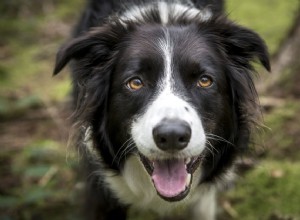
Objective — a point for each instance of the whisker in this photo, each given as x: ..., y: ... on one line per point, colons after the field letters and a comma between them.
x: 213, y: 148
x: 120, y: 149
x: 127, y: 149
x: 218, y: 138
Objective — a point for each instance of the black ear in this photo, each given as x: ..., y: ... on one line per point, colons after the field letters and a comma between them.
x: 72, y: 50
x: 243, y: 46
x: 100, y: 40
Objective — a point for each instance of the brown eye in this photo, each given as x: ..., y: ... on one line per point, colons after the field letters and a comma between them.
x: 205, y: 81
x: 135, y: 84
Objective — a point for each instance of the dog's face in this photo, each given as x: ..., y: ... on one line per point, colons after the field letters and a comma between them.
x: 179, y: 96
x: 170, y: 97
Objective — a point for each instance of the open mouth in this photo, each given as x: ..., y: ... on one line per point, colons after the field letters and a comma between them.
x: 172, y: 178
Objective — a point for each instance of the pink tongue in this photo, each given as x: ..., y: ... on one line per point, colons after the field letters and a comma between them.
x: 169, y: 177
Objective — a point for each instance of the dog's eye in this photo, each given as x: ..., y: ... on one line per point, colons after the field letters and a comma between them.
x: 205, y: 82
x: 135, y: 84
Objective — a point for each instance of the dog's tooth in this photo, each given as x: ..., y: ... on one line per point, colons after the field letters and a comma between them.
x: 187, y: 161
x: 188, y: 179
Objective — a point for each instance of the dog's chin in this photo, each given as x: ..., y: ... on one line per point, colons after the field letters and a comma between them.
x: 172, y: 178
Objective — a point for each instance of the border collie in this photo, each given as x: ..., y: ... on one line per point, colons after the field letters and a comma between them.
x: 164, y: 103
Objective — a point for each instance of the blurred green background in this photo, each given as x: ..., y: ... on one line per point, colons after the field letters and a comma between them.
x: 37, y: 170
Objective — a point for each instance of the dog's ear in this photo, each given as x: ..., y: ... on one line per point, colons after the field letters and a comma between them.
x: 72, y: 50
x: 242, y: 46
x: 100, y: 40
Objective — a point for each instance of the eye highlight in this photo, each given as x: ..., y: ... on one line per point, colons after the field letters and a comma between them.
x: 135, y: 84
x: 205, y: 81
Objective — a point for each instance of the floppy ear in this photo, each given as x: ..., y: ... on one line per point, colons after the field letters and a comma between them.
x: 243, y: 46
x: 100, y: 41
x: 72, y: 50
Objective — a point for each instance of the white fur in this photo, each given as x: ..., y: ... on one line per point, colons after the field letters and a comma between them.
x: 167, y: 12
x: 191, y: 13
x: 135, y: 187
x: 166, y: 49
x: 164, y: 12
x: 205, y: 206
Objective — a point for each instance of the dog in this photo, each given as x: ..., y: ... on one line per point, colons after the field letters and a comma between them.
x: 164, y: 104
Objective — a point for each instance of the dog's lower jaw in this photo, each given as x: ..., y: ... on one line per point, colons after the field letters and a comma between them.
x: 134, y: 187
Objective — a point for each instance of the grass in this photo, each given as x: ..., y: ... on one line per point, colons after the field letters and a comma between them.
x: 283, y: 137
x: 29, y: 47
x: 46, y: 184
x: 271, y: 188
x: 36, y: 180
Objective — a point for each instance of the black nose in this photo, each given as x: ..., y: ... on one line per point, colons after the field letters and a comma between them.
x: 172, y: 135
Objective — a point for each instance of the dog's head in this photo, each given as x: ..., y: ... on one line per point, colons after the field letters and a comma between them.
x: 176, y: 91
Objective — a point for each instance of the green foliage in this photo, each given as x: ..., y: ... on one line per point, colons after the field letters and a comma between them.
x: 271, y: 188
x: 29, y: 44
x: 47, y: 183
x: 10, y: 108
x: 283, y: 138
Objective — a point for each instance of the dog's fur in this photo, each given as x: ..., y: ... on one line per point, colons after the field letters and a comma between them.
x: 140, y: 70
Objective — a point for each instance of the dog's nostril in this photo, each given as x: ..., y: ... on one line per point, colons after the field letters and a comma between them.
x: 170, y: 135
x: 163, y: 140
x: 182, y: 139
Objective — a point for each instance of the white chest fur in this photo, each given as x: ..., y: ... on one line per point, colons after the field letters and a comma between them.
x: 134, y: 187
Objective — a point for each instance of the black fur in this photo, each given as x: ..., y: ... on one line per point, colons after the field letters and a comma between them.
x: 102, y: 50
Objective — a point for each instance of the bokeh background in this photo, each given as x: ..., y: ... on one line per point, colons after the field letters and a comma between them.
x: 38, y: 178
